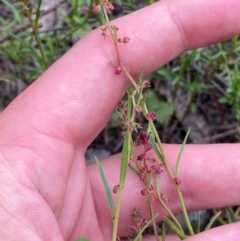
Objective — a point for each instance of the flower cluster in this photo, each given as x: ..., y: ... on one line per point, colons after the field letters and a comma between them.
x: 143, y: 139
x: 149, y: 191
x: 105, y: 4
x: 138, y: 219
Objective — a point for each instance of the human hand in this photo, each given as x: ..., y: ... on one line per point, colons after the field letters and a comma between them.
x: 47, y: 191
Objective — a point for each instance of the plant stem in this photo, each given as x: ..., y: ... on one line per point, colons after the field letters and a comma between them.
x: 153, y: 222
x: 185, y: 214
x: 117, y: 212
x: 35, y: 34
x: 117, y: 51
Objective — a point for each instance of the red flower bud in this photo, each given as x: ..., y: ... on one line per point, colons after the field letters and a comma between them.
x: 177, y: 181
x: 118, y: 70
x: 97, y: 9
x: 126, y: 40
x: 151, y: 115
x: 115, y: 189
x: 146, y: 84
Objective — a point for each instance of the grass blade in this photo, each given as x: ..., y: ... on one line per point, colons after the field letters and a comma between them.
x: 198, y: 229
x: 106, y: 187
x: 125, y: 156
x: 212, y: 220
x: 174, y: 228
x: 163, y: 232
x: 181, y: 150
x: 154, y: 146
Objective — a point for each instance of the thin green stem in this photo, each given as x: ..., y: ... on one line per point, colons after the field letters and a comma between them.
x: 185, y: 214
x: 154, y: 221
x: 117, y: 213
x: 117, y: 51
x: 126, y: 153
x: 35, y: 34
x: 159, y: 143
x: 165, y: 206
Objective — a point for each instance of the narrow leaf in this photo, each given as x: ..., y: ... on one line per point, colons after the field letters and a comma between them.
x: 38, y: 12
x: 198, y: 222
x: 125, y: 156
x: 181, y: 150
x: 163, y: 232
x: 14, y: 10
x: 157, y: 186
x: 106, y: 187
x: 126, y: 151
x: 174, y: 228
x: 154, y: 146
x: 212, y: 220
x: 140, y: 80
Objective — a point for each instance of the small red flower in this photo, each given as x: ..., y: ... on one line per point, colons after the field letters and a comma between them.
x: 120, y: 105
x: 84, y: 9
x: 143, y: 177
x: 165, y: 198
x: 144, y: 192
x: 104, y: 32
x: 160, y: 168
x: 115, y: 189
x: 124, y: 40
x: 153, y: 197
x: 177, y: 181
x: 140, y: 157
x: 143, y: 138
x: 151, y: 116
x: 96, y: 9
x: 147, y: 84
x: 118, y: 70
x: 120, y: 119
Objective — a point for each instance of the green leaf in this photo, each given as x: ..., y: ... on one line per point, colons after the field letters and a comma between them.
x: 163, y: 232
x: 82, y: 239
x: 38, y: 12
x: 13, y: 10
x: 198, y: 222
x: 106, y: 187
x: 154, y: 146
x: 125, y: 156
x: 126, y: 151
x: 212, y: 220
x: 174, y: 228
x: 180, y: 153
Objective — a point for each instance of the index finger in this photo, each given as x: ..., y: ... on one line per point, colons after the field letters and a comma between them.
x: 80, y: 91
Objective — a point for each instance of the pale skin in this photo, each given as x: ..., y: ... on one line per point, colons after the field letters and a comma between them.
x: 46, y: 190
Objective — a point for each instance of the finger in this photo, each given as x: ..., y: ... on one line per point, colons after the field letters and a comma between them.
x: 209, y: 174
x: 167, y: 238
x: 227, y: 232
x: 75, y: 97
